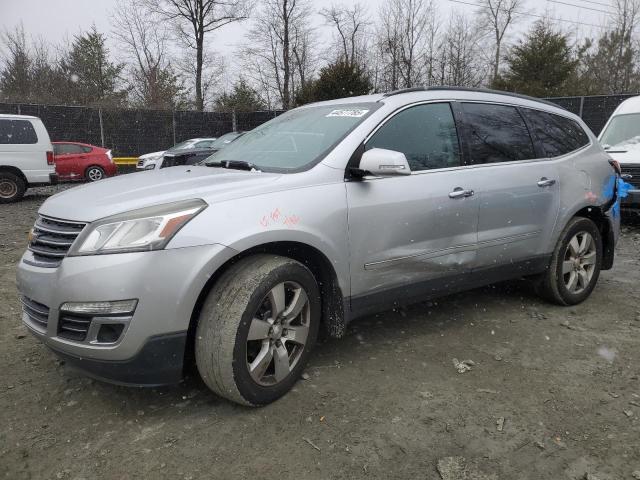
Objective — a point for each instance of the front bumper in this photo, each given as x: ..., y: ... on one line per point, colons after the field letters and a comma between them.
x: 166, y: 283
x: 159, y: 362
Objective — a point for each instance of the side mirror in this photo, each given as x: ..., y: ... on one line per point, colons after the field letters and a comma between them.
x: 382, y: 162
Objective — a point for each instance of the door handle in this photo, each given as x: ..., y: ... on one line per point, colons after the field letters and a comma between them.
x: 545, y: 182
x: 459, y: 192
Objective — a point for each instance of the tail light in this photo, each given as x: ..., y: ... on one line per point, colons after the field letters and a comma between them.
x: 50, y: 159
x: 616, y: 166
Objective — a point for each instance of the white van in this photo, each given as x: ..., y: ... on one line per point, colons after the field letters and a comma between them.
x: 620, y: 137
x: 26, y: 156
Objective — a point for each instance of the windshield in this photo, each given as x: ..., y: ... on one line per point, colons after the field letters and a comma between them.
x: 185, y: 144
x: 295, y: 139
x: 225, y: 140
x: 623, y: 131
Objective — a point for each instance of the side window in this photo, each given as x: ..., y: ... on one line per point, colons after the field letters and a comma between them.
x: 19, y: 132
x: 69, y: 148
x: 57, y: 149
x: 496, y: 133
x: 87, y: 149
x: 426, y: 134
x: 558, y: 135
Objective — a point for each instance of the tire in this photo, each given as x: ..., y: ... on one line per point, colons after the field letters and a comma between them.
x: 12, y: 187
x: 241, y: 302
x: 94, y: 173
x: 573, y: 262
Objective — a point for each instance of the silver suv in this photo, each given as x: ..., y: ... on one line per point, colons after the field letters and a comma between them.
x: 323, y: 214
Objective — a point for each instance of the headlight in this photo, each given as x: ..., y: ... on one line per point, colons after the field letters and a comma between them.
x: 145, y: 229
x: 150, y: 166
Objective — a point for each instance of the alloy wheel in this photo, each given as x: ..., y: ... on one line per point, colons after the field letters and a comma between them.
x: 579, y: 262
x: 95, y: 174
x: 278, y: 333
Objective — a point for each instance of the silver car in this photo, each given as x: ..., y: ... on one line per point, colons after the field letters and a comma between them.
x: 326, y: 213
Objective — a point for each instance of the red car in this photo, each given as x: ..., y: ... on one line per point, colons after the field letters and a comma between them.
x: 79, y: 161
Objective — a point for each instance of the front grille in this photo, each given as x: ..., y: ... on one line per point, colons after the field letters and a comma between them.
x: 51, y: 239
x: 36, y: 312
x: 73, y: 327
x: 634, y: 171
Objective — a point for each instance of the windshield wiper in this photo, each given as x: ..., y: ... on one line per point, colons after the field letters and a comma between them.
x: 234, y: 165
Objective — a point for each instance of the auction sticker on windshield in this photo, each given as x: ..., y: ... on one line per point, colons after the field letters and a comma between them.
x: 351, y: 112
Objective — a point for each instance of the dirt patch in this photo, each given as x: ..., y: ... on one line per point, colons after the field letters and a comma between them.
x: 550, y: 392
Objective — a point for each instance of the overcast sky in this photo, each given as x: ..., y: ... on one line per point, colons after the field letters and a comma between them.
x: 55, y: 20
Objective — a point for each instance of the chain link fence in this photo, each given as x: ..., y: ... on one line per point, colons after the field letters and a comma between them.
x: 133, y: 132
x: 594, y: 110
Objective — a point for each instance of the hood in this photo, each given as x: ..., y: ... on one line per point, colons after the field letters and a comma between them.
x: 151, y: 155
x: 627, y: 152
x: 120, y: 194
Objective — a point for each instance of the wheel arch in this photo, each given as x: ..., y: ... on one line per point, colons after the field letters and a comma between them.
x: 598, y: 216
x: 333, y: 321
x: 15, y: 171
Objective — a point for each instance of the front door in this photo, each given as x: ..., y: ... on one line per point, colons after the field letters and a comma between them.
x: 413, y: 235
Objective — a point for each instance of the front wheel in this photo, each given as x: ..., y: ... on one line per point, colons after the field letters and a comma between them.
x: 257, y: 328
x: 575, y: 264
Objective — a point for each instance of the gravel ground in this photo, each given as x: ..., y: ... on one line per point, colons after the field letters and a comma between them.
x: 551, y: 393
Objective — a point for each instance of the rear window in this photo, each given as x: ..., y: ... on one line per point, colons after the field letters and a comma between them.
x: 558, y: 135
x: 14, y: 132
x: 496, y: 133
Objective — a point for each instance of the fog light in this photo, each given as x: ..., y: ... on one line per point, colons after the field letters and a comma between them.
x: 110, y: 332
x: 119, y: 307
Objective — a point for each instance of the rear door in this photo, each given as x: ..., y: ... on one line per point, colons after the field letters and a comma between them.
x: 518, y: 188
x: 414, y: 235
x: 65, y: 160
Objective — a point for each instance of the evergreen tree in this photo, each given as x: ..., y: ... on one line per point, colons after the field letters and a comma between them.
x: 611, y: 67
x: 243, y: 98
x: 15, y: 79
x: 337, y: 80
x: 92, y: 77
x: 541, y: 65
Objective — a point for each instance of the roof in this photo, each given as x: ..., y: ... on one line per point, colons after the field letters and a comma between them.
x: 16, y: 116
x: 631, y: 105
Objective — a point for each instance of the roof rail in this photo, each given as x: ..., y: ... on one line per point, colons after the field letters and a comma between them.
x: 405, y: 90
x: 470, y: 89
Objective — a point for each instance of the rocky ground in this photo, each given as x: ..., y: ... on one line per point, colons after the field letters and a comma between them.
x: 546, y: 392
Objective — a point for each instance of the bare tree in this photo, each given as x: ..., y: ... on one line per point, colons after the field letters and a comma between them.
x: 498, y: 16
x: 403, y: 35
x: 627, y: 16
x: 349, y: 36
x: 279, y: 55
x: 152, y: 78
x: 193, y: 19
x: 460, y: 60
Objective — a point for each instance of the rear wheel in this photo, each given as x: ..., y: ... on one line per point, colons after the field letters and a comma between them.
x: 257, y: 328
x: 94, y: 173
x: 12, y: 187
x: 575, y: 264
